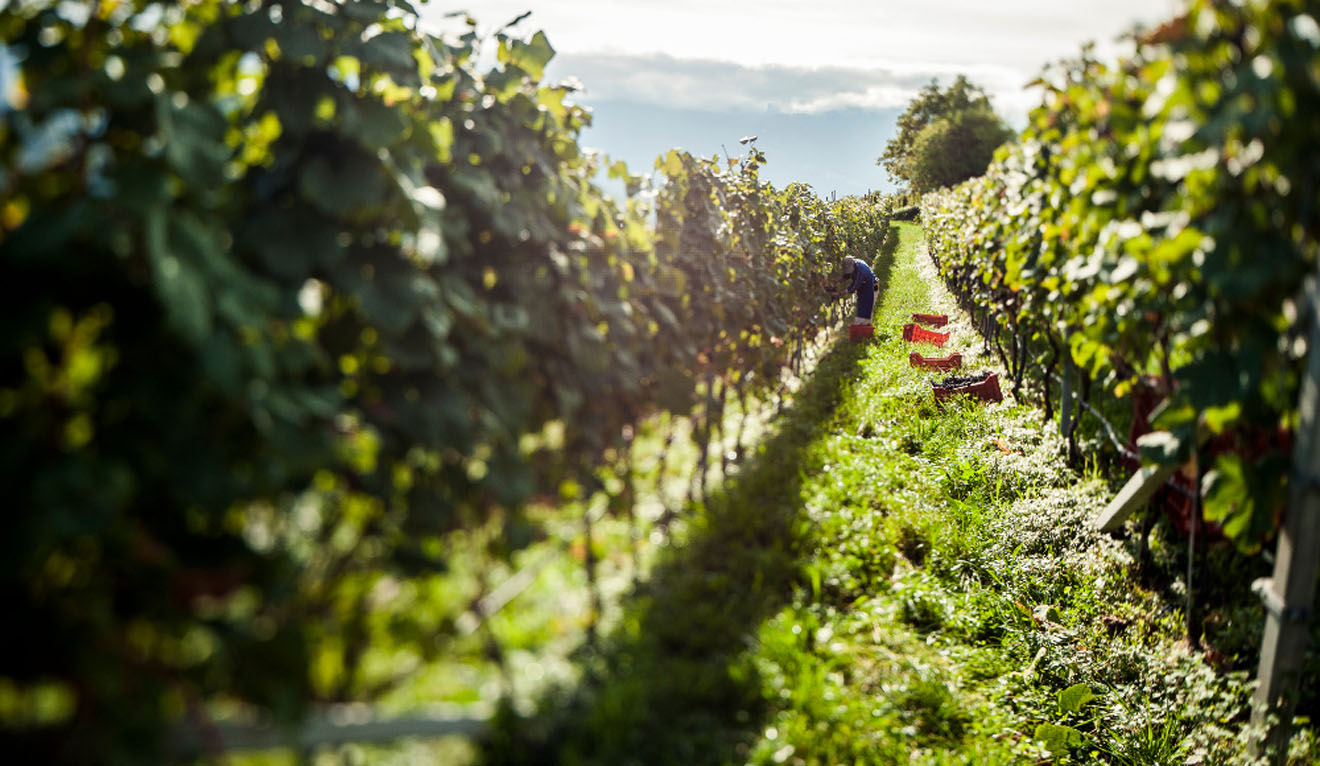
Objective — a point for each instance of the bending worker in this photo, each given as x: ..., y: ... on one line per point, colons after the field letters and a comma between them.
x: 860, y: 280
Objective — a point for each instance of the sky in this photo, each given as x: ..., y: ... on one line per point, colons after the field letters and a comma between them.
x: 821, y: 84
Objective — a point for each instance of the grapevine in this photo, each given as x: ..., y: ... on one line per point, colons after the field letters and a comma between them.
x: 298, y: 298
x: 1154, y: 226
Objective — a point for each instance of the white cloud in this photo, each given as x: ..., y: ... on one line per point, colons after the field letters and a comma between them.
x: 727, y: 86
x: 813, y: 57
x: 821, y: 82
x: 711, y: 85
x: 868, y: 34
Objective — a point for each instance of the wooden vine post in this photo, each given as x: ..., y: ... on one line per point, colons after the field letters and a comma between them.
x: 1289, y: 595
x: 1066, y: 399
x: 1066, y: 393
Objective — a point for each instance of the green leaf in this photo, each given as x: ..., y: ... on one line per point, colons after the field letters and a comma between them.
x: 222, y: 362
x: 382, y: 309
x: 365, y: 10
x: 1172, y: 414
x: 1074, y: 697
x: 391, y: 52
x: 1220, y: 418
x: 250, y: 30
x: 1242, y: 496
x: 376, y: 125
x: 442, y: 133
x: 179, y: 286
x: 1058, y: 739
x: 194, y: 142
x: 290, y: 243
x: 352, y: 182
x: 479, y: 185
x: 531, y: 56
x: 294, y: 95
x: 1213, y: 380
x: 300, y: 42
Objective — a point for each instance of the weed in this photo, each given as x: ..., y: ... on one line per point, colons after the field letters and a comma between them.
x: 912, y: 543
x: 1144, y: 737
x: 936, y: 717
x: 922, y: 602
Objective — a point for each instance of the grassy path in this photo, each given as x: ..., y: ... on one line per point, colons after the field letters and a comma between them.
x: 895, y: 647
x: 957, y: 590
x: 885, y: 583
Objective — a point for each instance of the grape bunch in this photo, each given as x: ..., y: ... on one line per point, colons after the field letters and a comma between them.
x: 958, y: 381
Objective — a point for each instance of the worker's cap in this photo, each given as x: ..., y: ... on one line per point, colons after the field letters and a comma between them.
x: 849, y: 265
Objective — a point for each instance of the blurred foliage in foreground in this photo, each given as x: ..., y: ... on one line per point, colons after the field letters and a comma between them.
x: 294, y: 291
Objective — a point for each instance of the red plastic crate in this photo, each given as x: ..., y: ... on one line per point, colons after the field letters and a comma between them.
x: 950, y: 362
x: 858, y: 332
x: 934, y: 320
x: 917, y: 334
x: 986, y: 389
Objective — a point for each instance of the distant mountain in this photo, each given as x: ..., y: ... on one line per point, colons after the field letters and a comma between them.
x: 834, y: 151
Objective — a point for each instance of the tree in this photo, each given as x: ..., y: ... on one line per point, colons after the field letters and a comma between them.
x: 930, y: 105
x: 954, y: 148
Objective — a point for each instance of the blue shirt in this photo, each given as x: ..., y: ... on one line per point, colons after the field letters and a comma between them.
x: 862, y: 277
